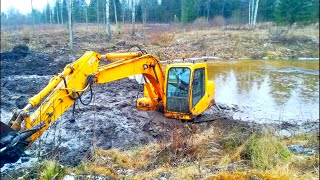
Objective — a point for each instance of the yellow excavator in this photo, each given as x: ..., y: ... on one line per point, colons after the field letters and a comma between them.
x: 184, y: 93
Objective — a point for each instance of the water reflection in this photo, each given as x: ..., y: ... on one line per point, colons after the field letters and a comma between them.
x: 269, y: 90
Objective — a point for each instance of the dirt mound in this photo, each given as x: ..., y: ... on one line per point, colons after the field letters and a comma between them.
x: 18, y: 52
x: 22, y: 61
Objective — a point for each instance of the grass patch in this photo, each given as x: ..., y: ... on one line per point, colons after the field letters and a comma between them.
x: 51, y: 170
x: 264, y: 151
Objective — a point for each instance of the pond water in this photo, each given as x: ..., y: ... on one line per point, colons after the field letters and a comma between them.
x: 268, y: 91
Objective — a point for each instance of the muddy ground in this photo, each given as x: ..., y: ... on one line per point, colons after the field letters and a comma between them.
x: 110, y: 121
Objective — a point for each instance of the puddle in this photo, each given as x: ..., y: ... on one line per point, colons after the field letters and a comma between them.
x: 268, y: 91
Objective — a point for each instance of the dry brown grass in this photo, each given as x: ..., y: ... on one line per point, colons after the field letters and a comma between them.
x: 171, y: 42
x: 161, y: 39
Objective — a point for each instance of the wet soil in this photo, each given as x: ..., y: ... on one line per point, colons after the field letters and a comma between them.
x: 22, y: 61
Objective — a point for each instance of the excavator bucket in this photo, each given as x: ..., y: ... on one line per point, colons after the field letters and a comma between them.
x: 7, y: 153
x: 13, y: 144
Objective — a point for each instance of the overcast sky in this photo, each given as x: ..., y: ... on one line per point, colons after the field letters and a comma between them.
x: 24, y: 6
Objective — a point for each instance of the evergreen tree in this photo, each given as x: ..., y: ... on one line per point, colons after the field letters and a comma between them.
x: 47, y: 13
x: 92, y: 11
x: 315, y: 11
x: 188, y: 11
x: 56, y: 12
x: 294, y: 11
x: 80, y: 11
x: 154, y: 13
x: 64, y: 11
x: 227, y: 9
x: 267, y: 10
x: 168, y: 10
x: 216, y: 8
x: 112, y: 9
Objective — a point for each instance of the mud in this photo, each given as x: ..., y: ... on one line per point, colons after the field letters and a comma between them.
x: 22, y: 61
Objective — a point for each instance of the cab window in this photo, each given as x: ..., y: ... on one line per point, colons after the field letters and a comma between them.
x: 178, y: 82
x: 198, y: 85
x: 178, y: 89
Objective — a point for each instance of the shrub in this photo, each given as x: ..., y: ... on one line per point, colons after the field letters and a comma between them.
x: 200, y: 22
x: 164, y: 38
x: 264, y: 151
x: 218, y: 21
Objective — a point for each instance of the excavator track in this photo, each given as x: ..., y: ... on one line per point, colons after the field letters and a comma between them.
x: 215, y: 114
x: 204, y: 118
x: 209, y: 118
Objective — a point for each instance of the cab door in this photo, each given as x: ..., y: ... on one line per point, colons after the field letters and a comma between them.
x: 201, y: 91
x: 198, y: 86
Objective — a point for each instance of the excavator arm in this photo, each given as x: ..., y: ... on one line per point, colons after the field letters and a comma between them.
x: 64, y: 89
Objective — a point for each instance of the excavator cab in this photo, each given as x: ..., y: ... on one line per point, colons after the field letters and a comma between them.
x: 188, y: 92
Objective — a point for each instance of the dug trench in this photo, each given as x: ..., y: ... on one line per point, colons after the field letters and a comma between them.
x: 110, y: 121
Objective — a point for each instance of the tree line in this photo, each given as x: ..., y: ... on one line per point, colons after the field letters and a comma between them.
x: 282, y: 12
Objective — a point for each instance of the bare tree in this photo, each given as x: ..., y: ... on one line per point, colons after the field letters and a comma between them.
x: 97, y: 11
x: 108, y: 20
x: 32, y: 12
x: 250, y: 4
x: 123, y: 10
x: 50, y: 15
x: 255, y: 12
x: 252, y: 10
x: 45, y: 16
x: 86, y: 13
x: 69, y: 2
x: 115, y: 12
x: 182, y: 11
x: 133, y: 31
x: 223, y: 6
x: 61, y: 11
x: 144, y: 11
x: 58, y: 14
x: 208, y: 9
x: 104, y: 13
